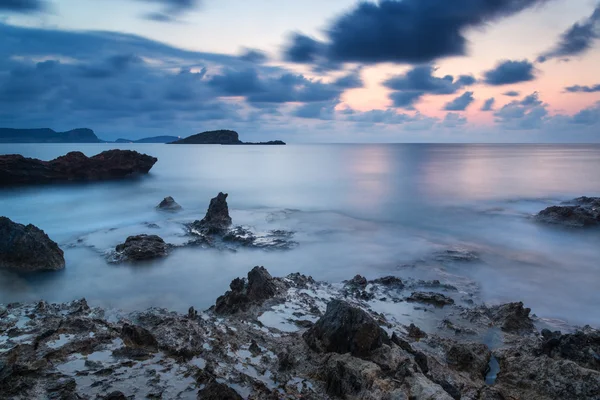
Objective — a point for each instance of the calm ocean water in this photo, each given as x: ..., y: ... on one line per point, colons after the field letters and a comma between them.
x: 369, y: 209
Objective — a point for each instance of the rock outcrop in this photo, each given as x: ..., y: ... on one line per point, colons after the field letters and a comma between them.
x: 437, y: 299
x: 512, y: 317
x: 222, y: 136
x: 140, y: 248
x: 27, y: 248
x: 74, y: 166
x: 168, y: 204
x: 579, y: 213
x: 217, y: 219
x: 345, y: 329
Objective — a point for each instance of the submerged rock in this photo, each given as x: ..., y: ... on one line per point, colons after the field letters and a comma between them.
x: 345, y: 328
x: 259, y: 287
x: 581, y: 212
x: 74, y: 166
x: 28, y: 248
x: 437, y: 299
x: 140, y: 248
x: 217, y: 219
x: 169, y: 204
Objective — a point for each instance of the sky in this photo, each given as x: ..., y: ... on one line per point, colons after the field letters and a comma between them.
x: 305, y: 71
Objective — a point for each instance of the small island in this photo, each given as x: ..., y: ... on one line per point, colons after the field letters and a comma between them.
x: 222, y: 136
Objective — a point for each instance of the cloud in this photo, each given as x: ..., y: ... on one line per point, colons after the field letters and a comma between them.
x: 509, y: 72
x: 170, y: 9
x: 22, y: 6
x: 588, y: 116
x: 512, y: 93
x: 578, y: 39
x: 454, y: 120
x: 351, y: 80
x: 386, y: 31
x: 460, y: 103
x: 488, y: 105
x: 408, y: 88
x: 254, y: 56
x: 583, y: 89
x: 319, y: 110
x: 529, y: 113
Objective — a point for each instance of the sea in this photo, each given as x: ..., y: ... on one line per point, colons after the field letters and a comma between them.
x: 368, y: 209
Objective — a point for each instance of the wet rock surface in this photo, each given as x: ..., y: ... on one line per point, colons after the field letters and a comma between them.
x: 436, y: 299
x: 579, y: 213
x: 72, y: 351
x: 141, y: 248
x: 169, y: 204
x: 26, y: 248
x: 217, y: 219
x: 74, y: 166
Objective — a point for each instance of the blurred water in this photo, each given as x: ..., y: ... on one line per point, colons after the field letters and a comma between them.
x: 369, y: 209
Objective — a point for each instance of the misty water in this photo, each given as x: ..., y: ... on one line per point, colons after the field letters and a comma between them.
x: 370, y: 209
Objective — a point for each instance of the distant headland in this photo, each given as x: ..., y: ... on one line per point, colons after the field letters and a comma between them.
x: 86, y: 135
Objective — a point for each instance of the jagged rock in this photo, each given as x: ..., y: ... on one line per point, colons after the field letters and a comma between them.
x: 512, y: 317
x: 437, y: 299
x: 259, y: 287
x: 580, y: 347
x: 345, y: 328
x: 415, y: 332
x: 470, y: 357
x: 116, y: 395
x: 358, y: 281
x: 136, y: 336
x: 218, y: 391
x: 217, y: 219
x: 346, y: 376
x: 74, y: 166
x: 169, y: 204
x: 141, y: 247
x: 390, y: 281
x: 580, y: 212
x: 27, y: 248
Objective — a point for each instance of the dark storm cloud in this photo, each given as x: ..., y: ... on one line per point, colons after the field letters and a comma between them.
x: 512, y: 93
x: 488, y: 105
x: 583, y: 89
x: 529, y: 113
x: 508, y: 72
x: 407, y: 31
x: 22, y: 6
x: 578, y: 39
x: 419, y: 81
x: 460, y: 103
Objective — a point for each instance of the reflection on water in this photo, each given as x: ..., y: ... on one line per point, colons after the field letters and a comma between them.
x: 369, y: 209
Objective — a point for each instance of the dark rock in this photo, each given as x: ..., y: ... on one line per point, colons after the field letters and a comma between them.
x: 217, y: 219
x: 456, y: 255
x: 437, y: 299
x: 580, y: 347
x: 218, y: 391
x: 347, y: 376
x: 582, y: 212
x: 470, y: 357
x: 254, y: 348
x: 259, y: 287
x: 222, y: 136
x: 421, y: 360
x: 403, y: 344
x: 358, y: 281
x: 390, y: 281
x: 27, y: 248
x: 240, y: 235
x: 344, y: 329
x: 450, y: 389
x: 116, y: 395
x: 169, y: 204
x: 141, y: 247
x: 136, y: 336
x: 415, y: 332
x: 512, y: 317
x: 74, y: 166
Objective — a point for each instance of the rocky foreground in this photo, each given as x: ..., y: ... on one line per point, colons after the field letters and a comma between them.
x: 74, y: 166
x: 294, y: 338
x: 582, y: 212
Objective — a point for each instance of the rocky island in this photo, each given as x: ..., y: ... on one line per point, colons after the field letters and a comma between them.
x: 46, y: 135
x: 225, y: 137
x: 74, y: 166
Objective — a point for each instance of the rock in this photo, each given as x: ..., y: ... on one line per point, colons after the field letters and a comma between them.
x: 437, y: 299
x: 580, y: 347
x: 415, y: 332
x: 456, y: 255
x: 345, y: 328
x: 423, y: 389
x: 581, y: 212
x: 259, y: 287
x: 218, y: 391
x: 512, y: 317
x: 28, y: 248
x: 421, y: 360
x: 136, y: 336
x: 116, y: 395
x: 390, y: 281
x: 74, y: 166
x: 217, y: 219
x: 469, y: 357
x: 358, y: 281
x: 346, y: 376
x: 169, y: 204
x: 141, y: 247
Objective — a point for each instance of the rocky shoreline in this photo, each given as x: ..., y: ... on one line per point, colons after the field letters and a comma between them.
x: 294, y: 338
